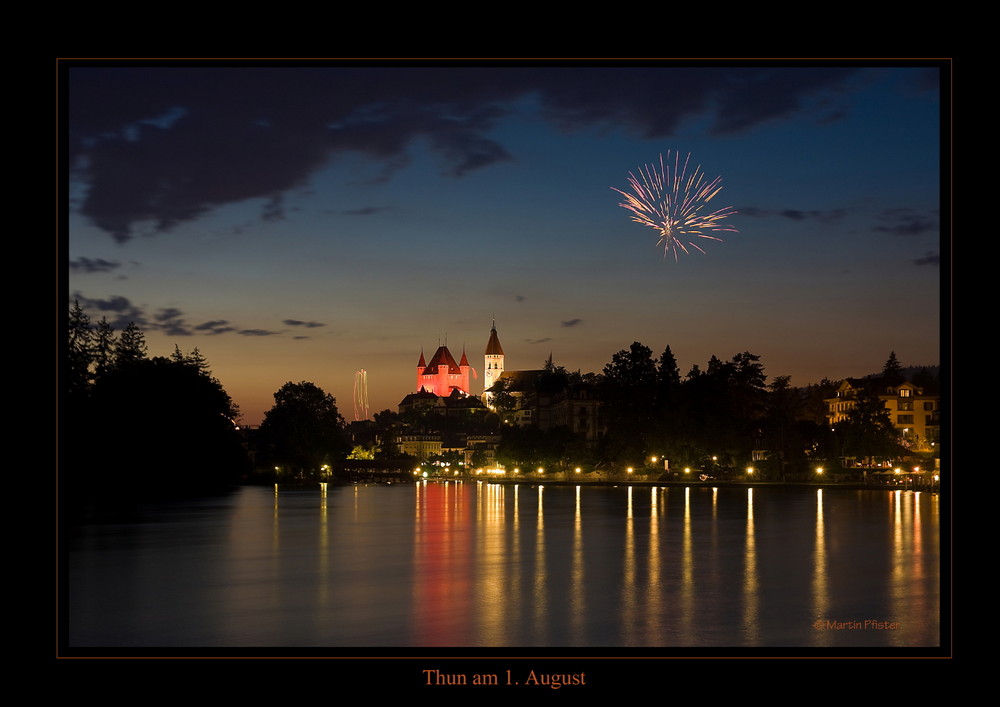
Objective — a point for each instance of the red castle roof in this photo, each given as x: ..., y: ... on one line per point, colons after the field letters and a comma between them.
x: 443, y: 357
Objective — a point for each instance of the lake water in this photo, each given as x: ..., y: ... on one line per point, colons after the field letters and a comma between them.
x: 484, y: 565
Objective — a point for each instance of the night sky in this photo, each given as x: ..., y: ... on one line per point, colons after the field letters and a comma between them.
x: 303, y: 223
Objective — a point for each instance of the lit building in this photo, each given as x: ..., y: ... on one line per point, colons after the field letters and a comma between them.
x: 493, y: 364
x: 421, y: 446
x: 441, y: 375
x: 915, y: 414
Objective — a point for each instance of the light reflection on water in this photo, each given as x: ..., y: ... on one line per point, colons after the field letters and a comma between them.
x: 476, y: 564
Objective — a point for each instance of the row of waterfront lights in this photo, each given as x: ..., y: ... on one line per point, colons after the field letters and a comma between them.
x: 541, y: 470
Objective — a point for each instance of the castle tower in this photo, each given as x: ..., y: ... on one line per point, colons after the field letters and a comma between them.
x: 421, y: 365
x: 465, y: 368
x: 493, y: 364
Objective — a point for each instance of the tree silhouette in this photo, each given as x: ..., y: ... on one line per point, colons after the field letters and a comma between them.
x: 158, y: 427
x: 79, y: 352
x: 868, y: 430
x: 104, y: 348
x: 629, y: 396
x: 892, y: 371
x: 303, y: 430
x: 134, y: 427
x: 131, y: 346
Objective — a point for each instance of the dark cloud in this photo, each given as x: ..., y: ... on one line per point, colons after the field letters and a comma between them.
x: 158, y: 146
x: 571, y: 322
x: 518, y: 298
x: 170, y: 321
x: 828, y: 216
x: 365, y: 211
x: 538, y: 341
x: 907, y: 222
x: 274, y: 208
x: 118, y: 310
x: 814, y: 214
x: 91, y: 265
x: 168, y: 314
x: 115, y: 303
x: 218, y: 326
x: 751, y: 97
x: 929, y: 259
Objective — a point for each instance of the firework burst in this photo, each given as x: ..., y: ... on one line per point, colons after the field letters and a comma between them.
x: 676, y: 204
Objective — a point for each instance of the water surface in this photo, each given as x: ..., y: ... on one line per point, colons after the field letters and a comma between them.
x: 486, y: 565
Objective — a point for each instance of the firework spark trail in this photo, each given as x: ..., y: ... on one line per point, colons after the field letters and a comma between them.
x: 673, y: 205
x: 361, y: 395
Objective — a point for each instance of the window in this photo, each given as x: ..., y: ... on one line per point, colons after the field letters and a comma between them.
x: 904, y: 392
x: 928, y: 406
x: 904, y: 419
x: 905, y: 405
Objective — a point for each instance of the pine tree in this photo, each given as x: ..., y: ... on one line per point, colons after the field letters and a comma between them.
x: 80, y: 351
x: 104, y: 348
x: 667, y: 372
x: 178, y: 356
x: 198, y: 360
x: 892, y: 372
x: 130, y: 347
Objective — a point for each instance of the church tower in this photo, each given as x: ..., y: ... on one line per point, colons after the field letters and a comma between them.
x: 493, y: 364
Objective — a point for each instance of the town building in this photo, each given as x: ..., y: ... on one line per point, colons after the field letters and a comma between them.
x: 914, y: 413
x: 550, y: 398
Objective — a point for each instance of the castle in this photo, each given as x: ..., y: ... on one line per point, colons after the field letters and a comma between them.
x: 543, y: 399
x: 442, y: 376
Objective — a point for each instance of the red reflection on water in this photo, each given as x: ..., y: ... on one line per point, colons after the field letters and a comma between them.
x: 442, y: 578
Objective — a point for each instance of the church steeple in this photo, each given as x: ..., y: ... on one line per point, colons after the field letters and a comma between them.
x: 493, y: 364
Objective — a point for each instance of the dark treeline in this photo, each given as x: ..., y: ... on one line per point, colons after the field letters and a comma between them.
x: 720, y: 419
x: 713, y: 418
x: 134, y: 427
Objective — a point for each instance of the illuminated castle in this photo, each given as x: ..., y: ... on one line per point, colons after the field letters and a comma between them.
x: 442, y: 375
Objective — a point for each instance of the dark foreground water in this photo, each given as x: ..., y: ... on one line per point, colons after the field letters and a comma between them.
x: 458, y: 565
